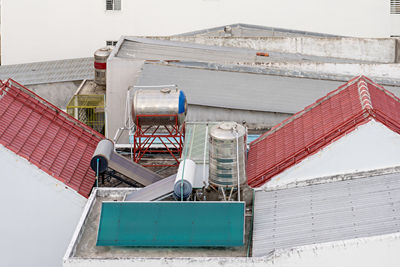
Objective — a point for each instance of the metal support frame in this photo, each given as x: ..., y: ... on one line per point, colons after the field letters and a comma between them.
x: 171, y: 137
x: 109, y: 173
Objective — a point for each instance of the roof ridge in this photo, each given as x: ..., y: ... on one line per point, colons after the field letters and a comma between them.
x: 363, y: 92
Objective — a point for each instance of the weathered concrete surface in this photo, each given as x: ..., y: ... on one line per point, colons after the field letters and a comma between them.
x: 58, y: 94
x: 381, y: 50
x: 85, y: 247
x: 380, y: 71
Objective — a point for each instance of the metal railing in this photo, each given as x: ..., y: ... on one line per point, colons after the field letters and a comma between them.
x: 88, y: 109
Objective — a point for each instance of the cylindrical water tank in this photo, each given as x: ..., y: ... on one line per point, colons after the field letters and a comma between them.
x: 184, y: 179
x: 100, y: 65
x: 159, y: 106
x: 227, y: 154
x: 102, y: 155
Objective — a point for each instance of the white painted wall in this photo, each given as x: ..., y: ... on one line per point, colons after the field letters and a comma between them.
x: 38, y: 214
x: 366, y: 252
x: 59, y: 29
x: 370, y: 146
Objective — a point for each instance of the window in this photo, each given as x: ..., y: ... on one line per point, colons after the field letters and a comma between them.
x: 111, y: 43
x: 394, y: 6
x: 113, y: 4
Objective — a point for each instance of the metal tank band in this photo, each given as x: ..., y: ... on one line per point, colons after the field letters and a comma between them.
x: 100, y: 65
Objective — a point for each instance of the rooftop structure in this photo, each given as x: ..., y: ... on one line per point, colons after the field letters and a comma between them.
x: 215, y: 77
x: 299, y: 221
x: 49, y: 71
x: 358, y: 102
x: 47, y: 137
x: 44, y: 155
x: 248, y: 30
x: 335, y: 208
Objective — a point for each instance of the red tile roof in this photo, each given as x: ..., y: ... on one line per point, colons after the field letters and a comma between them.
x: 320, y: 124
x: 47, y: 137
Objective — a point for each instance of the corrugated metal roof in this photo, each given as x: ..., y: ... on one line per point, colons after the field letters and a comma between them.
x: 47, y: 137
x: 49, y: 71
x: 319, y: 124
x: 326, y: 212
x: 238, y: 90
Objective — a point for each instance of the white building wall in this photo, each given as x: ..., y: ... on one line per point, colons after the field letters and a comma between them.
x: 370, y: 146
x: 38, y: 214
x: 366, y: 252
x: 59, y: 29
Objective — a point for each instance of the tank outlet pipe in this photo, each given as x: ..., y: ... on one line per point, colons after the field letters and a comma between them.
x: 184, y: 180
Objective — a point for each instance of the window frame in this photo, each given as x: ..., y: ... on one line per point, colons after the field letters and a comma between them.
x: 113, y: 5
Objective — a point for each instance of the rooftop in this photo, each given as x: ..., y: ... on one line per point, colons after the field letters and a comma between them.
x: 320, y: 124
x: 248, y: 30
x: 83, y: 245
x: 49, y: 71
x: 334, y: 208
x: 47, y: 137
x: 155, y: 49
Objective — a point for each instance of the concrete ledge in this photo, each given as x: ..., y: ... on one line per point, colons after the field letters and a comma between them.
x: 382, y: 50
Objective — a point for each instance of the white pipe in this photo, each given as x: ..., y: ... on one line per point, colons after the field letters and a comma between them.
x: 237, y: 162
x: 154, y: 86
x: 204, y: 156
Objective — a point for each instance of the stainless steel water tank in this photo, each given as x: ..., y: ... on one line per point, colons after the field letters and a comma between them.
x: 100, y: 65
x: 227, y: 149
x: 158, y: 106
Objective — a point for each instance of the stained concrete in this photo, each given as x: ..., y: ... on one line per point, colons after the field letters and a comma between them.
x: 86, y: 247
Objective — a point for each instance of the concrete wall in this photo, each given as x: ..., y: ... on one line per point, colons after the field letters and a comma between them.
x: 382, y: 71
x: 47, y: 30
x: 370, y: 146
x: 377, y: 50
x: 59, y: 94
x: 38, y: 214
x: 366, y: 252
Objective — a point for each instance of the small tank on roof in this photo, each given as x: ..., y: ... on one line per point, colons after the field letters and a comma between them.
x: 100, y: 65
x: 227, y: 154
x: 165, y: 106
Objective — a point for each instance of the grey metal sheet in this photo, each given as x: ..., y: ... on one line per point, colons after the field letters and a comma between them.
x: 241, y: 90
x: 236, y: 90
x: 326, y: 212
x: 49, y: 71
x: 155, y: 191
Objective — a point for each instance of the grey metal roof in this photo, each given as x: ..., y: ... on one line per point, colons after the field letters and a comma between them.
x: 157, y: 49
x: 326, y: 212
x: 237, y: 89
x: 49, y: 71
x: 248, y: 30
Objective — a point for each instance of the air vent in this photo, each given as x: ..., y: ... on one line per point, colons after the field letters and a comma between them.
x: 394, y: 6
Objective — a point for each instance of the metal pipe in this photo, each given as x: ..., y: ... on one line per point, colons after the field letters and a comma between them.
x: 204, y: 156
x: 237, y: 161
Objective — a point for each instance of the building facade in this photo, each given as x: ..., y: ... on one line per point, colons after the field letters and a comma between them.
x: 77, y: 28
